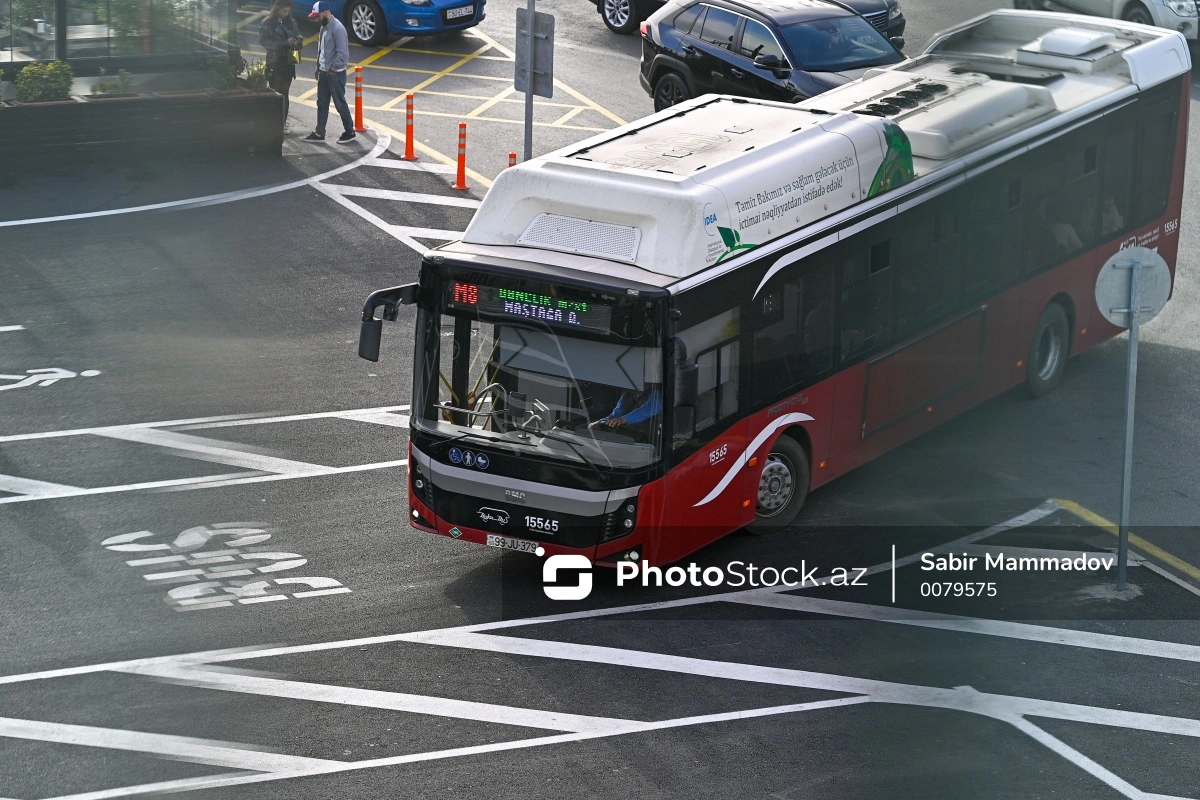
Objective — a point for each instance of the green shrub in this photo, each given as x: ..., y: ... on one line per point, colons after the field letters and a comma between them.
x: 225, y: 70
x: 256, y: 75
x: 40, y: 82
x: 122, y: 84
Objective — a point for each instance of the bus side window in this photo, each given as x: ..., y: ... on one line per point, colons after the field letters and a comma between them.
x: 717, y: 384
x: 794, y: 334
x: 715, y: 343
x: 1156, y: 153
x: 865, y: 303
x: 994, y: 225
x: 1079, y: 195
x: 1116, y: 178
x: 928, y: 251
x: 1050, y: 237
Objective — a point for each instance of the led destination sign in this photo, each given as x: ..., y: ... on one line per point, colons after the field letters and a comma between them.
x: 531, y: 306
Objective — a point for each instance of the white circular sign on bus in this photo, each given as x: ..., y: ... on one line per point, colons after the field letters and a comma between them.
x: 1153, y: 285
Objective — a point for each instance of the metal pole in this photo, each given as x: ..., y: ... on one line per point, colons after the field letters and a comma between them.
x: 1130, y: 396
x: 529, y: 20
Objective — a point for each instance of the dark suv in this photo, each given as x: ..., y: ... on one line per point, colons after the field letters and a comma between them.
x: 785, y: 50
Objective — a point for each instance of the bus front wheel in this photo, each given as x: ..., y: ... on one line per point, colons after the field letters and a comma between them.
x: 782, y: 487
x: 1048, y: 351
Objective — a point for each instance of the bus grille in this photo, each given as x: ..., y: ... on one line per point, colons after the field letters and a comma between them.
x: 879, y: 20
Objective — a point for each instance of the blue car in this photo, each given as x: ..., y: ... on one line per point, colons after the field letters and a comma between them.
x: 373, y: 22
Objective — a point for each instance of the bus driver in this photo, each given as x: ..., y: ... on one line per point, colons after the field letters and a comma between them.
x: 634, y: 408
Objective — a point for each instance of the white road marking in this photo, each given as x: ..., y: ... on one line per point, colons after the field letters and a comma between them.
x: 379, y: 418
x: 6, y: 329
x: 1172, y: 577
x: 403, y: 197
x: 426, y: 233
x: 216, y: 480
x: 360, y: 414
x: 236, y: 481
x: 213, y: 199
x: 415, y: 166
x: 985, y: 627
x: 152, y: 433
x: 216, y: 451
x: 1077, y: 758
x: 362, y: 213
x: 392, y: 701
x: 223, y: 421
x: 879, y: 691
x: 188, y: 784
x: 223, y: 754
x: 32, y: 488
x: 47, y: 376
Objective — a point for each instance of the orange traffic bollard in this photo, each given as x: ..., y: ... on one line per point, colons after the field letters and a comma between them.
x: 512, y: 159
x: 408, y: 131
x: 461, y: 183
x: 358, y: 120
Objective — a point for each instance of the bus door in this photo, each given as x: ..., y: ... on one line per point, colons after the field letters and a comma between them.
x: 704, y: 492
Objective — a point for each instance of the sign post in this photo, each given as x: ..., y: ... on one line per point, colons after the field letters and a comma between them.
x: 534, y: 68
x: 1132, y: 287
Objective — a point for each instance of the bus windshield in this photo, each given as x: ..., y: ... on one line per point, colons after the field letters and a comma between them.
x: 537, y: 390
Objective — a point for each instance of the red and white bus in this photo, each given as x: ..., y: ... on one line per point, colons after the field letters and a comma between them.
x: 680, y: 327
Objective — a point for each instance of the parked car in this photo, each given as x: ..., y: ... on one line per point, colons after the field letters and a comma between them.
x: 624, y: 16
x: 373, y: 22
x: 785, y: 50
x: 1177, y: 15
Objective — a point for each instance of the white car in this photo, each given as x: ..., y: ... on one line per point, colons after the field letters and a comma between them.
x: 1177, y: 15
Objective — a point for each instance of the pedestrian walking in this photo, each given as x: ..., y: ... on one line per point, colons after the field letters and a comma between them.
x: 280, y: 37
x: 333, y: 57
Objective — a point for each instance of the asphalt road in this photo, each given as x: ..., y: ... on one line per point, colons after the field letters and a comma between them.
x: 208, y: 426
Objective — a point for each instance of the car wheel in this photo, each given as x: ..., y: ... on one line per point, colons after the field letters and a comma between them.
x: 365, y: 22
x: 1137, y: 13
x: 1048, y: 351
x: 670, y: 91
x: 782, y: 487
x: 619, y: 15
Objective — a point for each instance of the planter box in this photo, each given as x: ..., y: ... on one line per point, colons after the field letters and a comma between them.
x: 95, y: 128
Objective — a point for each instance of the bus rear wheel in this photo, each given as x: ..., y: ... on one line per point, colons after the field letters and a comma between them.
x: 782, y: 487
x: 1048, y: 351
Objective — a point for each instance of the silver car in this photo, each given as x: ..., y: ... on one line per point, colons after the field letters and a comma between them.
x: 1177, y: 15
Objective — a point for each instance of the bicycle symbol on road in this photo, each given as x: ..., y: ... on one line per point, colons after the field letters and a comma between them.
x: 43, y: 377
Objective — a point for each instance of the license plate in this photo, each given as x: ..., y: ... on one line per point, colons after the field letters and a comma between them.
x: 504, y: 542
x: 461, y: 11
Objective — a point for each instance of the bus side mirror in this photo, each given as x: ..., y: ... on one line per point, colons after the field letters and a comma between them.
x: 371, y: 332
x: 369, y: 337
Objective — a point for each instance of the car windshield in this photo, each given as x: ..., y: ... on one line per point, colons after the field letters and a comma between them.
x: 837, y: 44
x: 538, y: 392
